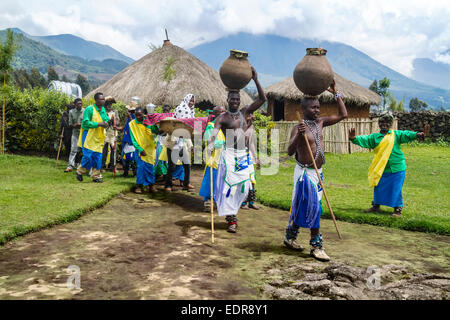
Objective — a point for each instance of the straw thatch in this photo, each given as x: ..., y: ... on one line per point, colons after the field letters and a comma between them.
x: 165, y: 76
x: 350, y: 92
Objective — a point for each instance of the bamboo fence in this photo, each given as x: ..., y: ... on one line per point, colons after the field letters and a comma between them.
x: 335, y: 137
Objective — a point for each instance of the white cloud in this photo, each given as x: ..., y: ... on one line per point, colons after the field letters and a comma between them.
x: 393, y: 32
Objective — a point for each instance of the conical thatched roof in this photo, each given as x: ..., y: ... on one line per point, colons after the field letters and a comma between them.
x: 350, y: 92
x: 166, y: 76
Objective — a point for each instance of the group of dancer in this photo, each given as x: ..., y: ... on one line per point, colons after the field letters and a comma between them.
x: 231, y: 154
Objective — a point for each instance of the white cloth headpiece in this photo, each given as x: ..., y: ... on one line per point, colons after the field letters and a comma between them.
x: 182, y: 110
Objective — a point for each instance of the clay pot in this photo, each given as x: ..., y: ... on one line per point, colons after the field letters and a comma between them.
x: 236, y: 71
x: 313, y: 74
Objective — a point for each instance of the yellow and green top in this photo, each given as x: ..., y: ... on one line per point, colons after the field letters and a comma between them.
x: 143, y: 138
x: 396, y: 162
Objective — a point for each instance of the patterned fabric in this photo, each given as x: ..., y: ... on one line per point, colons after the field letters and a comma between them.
x: 317, y: 241
x: 152, y: 118
x: 231, y: 219
x: 231, y: 188
x: 306, y: 208
x: 241, y: 163
x: 183, y: 110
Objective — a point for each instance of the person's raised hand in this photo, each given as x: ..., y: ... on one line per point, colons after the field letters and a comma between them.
x: 332, y: 87
x: 420, y: 136
x: 352, y: 134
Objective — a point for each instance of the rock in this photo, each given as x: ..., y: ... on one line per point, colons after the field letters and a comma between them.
x: 345, y: 273
x: 287, y: 294
x: 277, y: 283
x: 274, y: 271
x: 349, y: 293
x: 268, y: 289
x: 315, y: 288
x: 315, y: 277
x: 443, y: 284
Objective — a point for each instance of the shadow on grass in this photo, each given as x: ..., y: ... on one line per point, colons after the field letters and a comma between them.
x: 278, y: 249
x: 186, y: 224
x: 184, y: 199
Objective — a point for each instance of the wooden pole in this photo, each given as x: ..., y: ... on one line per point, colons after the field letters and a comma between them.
x: 59, y: 148
x: 212, y: 198
x: 426, y: 130
x: 3, y: 115
x: 320, y: 179
x: 115, y: 147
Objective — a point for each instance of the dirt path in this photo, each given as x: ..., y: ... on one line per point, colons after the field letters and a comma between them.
x: 158, y: 247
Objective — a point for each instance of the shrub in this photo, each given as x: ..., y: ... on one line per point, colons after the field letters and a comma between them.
x: 32, y: 118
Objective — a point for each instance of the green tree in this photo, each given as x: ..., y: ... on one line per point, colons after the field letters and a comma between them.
x: 416, y: 105
x: 52, y: 74
x: 374, y: 86
x: 394, y: 105
x: 21, y: 79
x: 83, y: 82
x: 383, y: 89
x: 36, y: 79
x: 64, y: 78
x: 8, y: 49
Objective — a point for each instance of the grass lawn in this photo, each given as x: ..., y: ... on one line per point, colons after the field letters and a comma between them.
x: 34, y: 193
x: 426, y: 192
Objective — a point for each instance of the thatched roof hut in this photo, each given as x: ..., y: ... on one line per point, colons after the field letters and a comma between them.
x: 165, y: 76
x: 285, y: 98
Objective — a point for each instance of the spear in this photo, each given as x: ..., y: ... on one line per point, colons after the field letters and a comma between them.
x: 320, y: 179
x: 115, y: 148
x: 212, y: 198
x: 59, y: 148
x: 3, y: 120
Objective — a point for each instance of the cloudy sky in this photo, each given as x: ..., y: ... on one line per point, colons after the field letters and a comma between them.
x: 394, y: 32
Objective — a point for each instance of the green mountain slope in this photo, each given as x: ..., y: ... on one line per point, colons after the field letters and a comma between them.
x: 34, y: 54
x: 75, y: 46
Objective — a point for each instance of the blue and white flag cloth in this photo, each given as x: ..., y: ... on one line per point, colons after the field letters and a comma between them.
x: 306, y: 196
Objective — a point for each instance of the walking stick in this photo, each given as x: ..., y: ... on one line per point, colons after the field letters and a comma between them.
x: 115, y: 147
x: 212, y: 199
x: 320, y: 179
x: 3, y: 115
x: 59, y: 148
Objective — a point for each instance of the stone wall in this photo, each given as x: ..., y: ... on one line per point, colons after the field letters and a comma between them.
x: 415, y: 121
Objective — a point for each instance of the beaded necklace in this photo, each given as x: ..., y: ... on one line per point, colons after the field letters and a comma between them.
x: 317, y: 139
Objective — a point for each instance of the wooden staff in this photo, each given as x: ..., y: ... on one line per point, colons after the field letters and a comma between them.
x: 320, y: 179
x: 3, y: 121
x: 59, y: 148
x: 115, y: 147
x: 212, y: 198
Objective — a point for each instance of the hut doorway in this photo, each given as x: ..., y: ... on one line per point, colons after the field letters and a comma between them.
x: 278, y: 110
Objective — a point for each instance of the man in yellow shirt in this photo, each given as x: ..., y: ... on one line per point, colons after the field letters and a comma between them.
x: 92, y: 138
x: 143, y: 138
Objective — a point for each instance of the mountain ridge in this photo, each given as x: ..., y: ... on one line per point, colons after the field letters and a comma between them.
x: 35, y: 54
x: 73, y: 45
x: 277, y: 57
